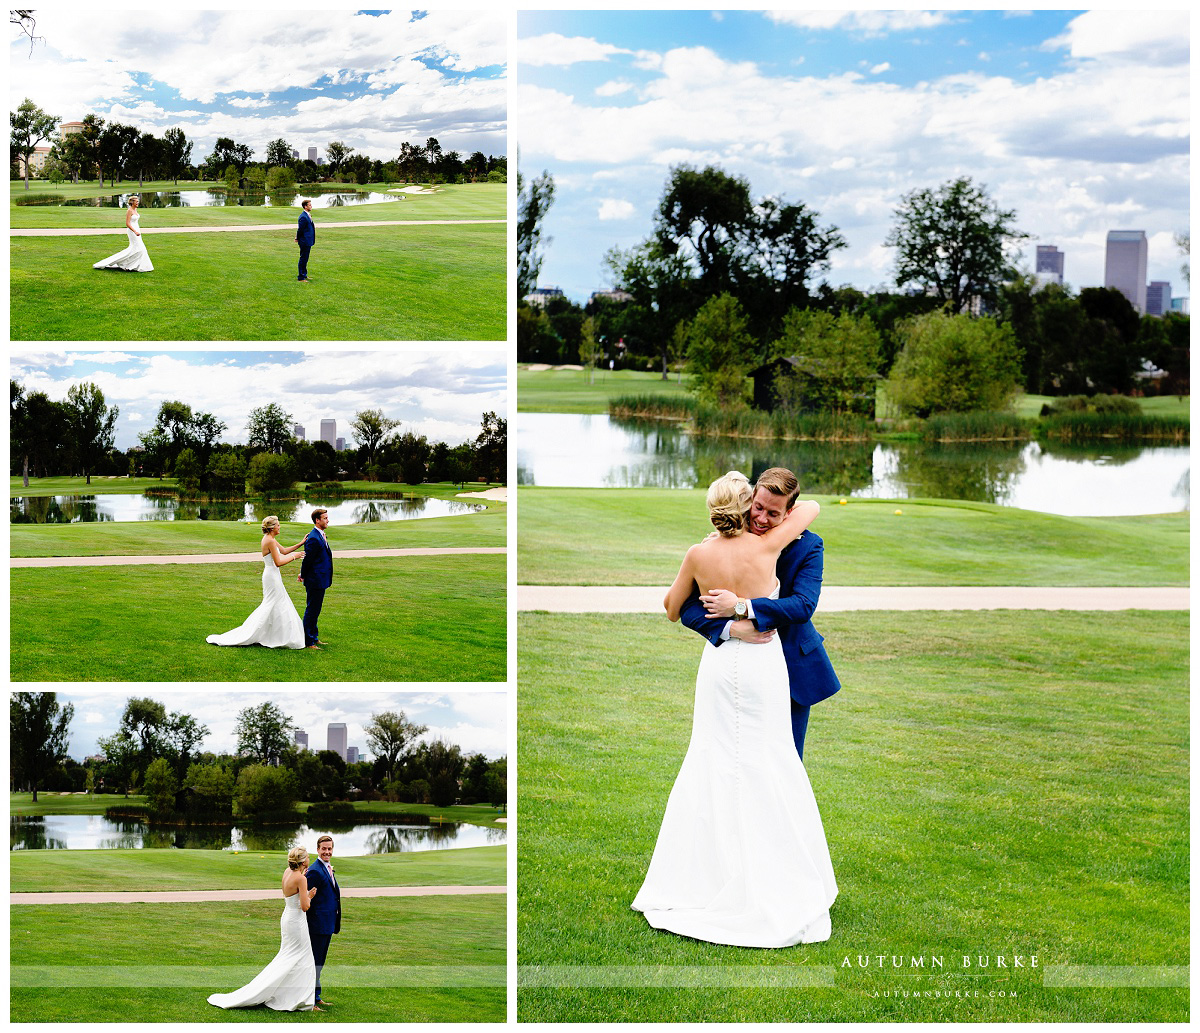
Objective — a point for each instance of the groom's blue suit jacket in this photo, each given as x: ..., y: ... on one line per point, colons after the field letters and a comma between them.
x: 799, y: 570
x: 306, y: 231
x: 317, y: 565
x: 325, y: 910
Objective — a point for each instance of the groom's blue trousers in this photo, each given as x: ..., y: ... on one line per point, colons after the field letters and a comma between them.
x: 799, y: 725
x: 316, y: 596
x: 302, y: 265
x: 320, y: 948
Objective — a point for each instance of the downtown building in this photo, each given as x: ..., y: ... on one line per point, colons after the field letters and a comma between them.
x: 1048, y: 265
x: 301, y: 738
x: 1125, y: 257
x: 329, y: 432
x: 336, y: 739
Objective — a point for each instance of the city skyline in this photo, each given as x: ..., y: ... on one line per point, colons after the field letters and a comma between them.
x: 439, y: 394
x: 1079, y: 122
x: 475, y: 721
x: 371, y: 79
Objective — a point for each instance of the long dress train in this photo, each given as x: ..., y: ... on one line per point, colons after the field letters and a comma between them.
x: 741, y: 856
x: 274, y: 623
x: 134, y: 259
x: 289, y: 982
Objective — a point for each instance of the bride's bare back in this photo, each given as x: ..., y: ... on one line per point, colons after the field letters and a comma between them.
x: 742, y: 563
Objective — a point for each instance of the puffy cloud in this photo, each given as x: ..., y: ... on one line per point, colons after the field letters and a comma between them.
x: 1133, y: 36
x: 612, y: 208
x: 871, y: 22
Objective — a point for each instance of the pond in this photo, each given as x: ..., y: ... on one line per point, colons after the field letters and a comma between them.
x: 594, y: 451
x: 223, y: 199
x: 83, y: 509
x: 408, y: 833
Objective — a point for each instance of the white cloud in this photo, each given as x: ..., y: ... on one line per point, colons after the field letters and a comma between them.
x: 614, y: 209
x: 251, y: 102
x: 879, y: 69
x: 873, y: 22
x: 1139, y: 37
x: 614, y: 88
x: 552, y: 48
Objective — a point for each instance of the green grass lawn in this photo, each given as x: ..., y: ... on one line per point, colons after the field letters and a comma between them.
x: 46, y: 871
x: 990, y: 783
x: 369, y: 284
x: 403, y: 959
x: 439, y: 618
x: 565, y: 390
x: 485, y: 529
x: 637, y: 536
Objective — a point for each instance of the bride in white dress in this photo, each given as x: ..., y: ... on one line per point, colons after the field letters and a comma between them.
x: 289, y: 982
x: 741, y: 856
x: 275, y: 623
x: 135, y: 258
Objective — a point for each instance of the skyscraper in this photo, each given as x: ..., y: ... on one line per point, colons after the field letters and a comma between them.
x: 1158, y: 298
x: 1125, y: 265
x: 329, y: 431
x: 301, y: 738
x: 351, y: 754
x: 337, y: 739
x: 1049, y: 265
x: 298, y: 431
x: 340, y: 445
x: 312, y: 154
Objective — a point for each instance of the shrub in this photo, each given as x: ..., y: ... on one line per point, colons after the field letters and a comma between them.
x: 187, y: 474
x: 717, y: 345
x: 264, y: 792
x: 281, y: 180
x: 226, y: 474
x: 330, y: 812
x: 270, y: 471
x: 160, y: 786
x: 1093, y: 403
x: 231, y: 177
x: 256, y: 179
x: 211, y: 794
x: 954, y: 364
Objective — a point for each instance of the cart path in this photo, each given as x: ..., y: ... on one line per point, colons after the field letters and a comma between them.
x: 199, y: 896
x: 280, y: 226
x: 836, y: 599
x: 234, y: 557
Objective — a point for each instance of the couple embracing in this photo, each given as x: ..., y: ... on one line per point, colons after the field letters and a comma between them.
x: 741, y: 856
x: 312, y: 914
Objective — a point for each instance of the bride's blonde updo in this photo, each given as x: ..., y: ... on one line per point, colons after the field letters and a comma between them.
x: 269, y: 524
x: 729, y: 503
x: 297, y: 857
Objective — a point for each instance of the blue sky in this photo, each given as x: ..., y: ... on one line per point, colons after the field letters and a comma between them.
x: 1079, y: 121
x: 441, y: 394
x: 371, y: 79
x: 475, y: 720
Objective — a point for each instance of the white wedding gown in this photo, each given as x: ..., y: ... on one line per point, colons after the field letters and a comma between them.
x: 134, y: 259
x: 275, y: 623
x: 289, y: 982
x: 741, y: 856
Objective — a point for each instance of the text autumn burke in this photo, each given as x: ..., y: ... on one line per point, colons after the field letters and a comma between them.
x: 933, y: 962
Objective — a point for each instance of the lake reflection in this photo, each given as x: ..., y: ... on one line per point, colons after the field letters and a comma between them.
x: 82, y: 509
x: 239, y: 199
x: 595, y: 451
x: 94, y: 832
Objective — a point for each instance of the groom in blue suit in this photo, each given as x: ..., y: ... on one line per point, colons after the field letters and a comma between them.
x: 721, y: 615
x: 306, y: 237
x: 325, y: 911
x: 316, y: 574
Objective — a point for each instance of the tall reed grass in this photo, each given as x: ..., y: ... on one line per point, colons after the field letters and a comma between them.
x: 1112, y: 426
x: 974, y: 426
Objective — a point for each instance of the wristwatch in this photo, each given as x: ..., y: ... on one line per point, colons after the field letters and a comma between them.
x: 739, y: 610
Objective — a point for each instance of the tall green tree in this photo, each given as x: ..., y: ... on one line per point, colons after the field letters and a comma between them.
x: 144, y: 721
x: 953, y: 241
x: 279, y: 153
x: 93, y: 425
x: 839, y: 358
x: 29, y: 125
x: 37, y: 735
x: 371, y: 429
x: 705, y: 215
x: 270, y: 427
x: 180, y: 736
x: 121, y: 752
x: 177, y: 152
x: 262, y: 732
x: 491, y: 448
x: 718, y: 344
x: 337, y: 153
x: 532, y: 205
x: 390, y: 736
